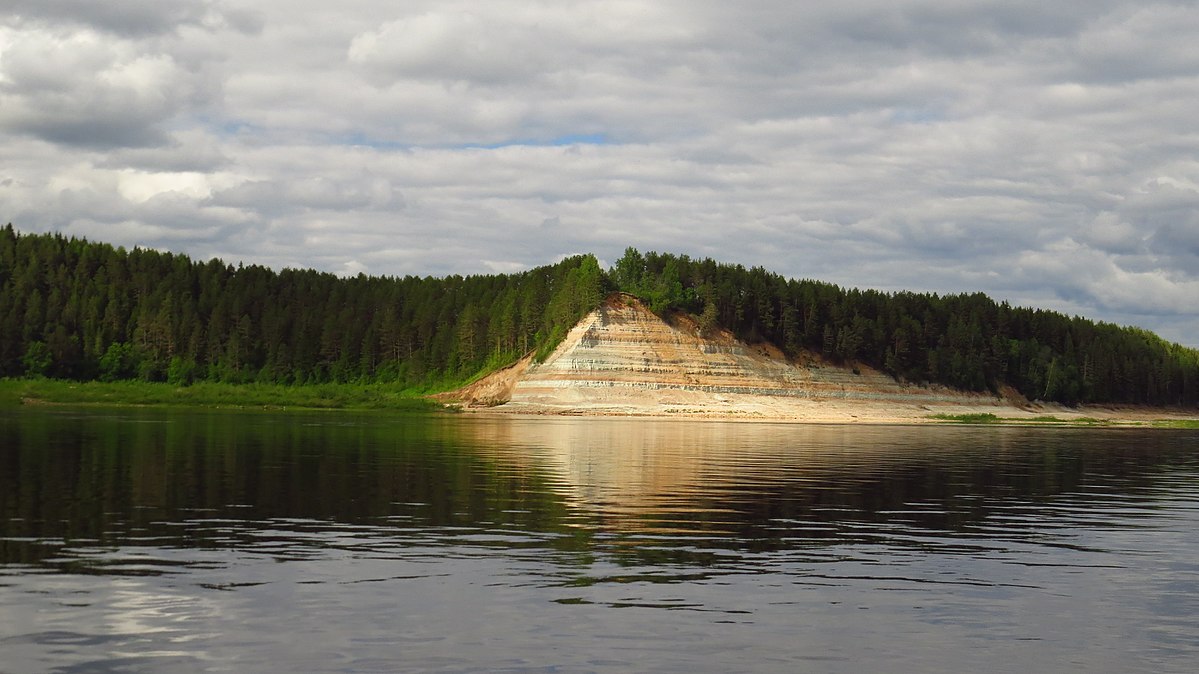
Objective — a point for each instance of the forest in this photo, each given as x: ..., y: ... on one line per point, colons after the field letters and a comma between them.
x: 78, y: 310
x: 73, y: 309
x: 966, y: 341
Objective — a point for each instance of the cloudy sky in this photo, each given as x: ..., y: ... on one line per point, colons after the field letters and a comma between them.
x: 1046, y: 153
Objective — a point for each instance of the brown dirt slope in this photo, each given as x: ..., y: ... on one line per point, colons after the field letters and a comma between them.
x: 494, y: 389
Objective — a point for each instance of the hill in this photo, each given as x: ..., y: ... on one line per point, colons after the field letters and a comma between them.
x: 623, y: 359
x: 966, y: 341
x: 78, y: 310
x: 73, y: 309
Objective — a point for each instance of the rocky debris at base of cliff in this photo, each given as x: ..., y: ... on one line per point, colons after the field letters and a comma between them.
x: 490, y: 391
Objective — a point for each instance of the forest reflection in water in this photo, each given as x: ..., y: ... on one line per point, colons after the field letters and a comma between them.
x: 461, y: 542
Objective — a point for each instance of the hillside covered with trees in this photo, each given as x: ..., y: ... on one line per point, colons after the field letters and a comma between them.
x: 74, y: 309
x: 966, y: 341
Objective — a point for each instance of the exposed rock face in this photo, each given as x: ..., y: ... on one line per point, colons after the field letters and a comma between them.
x: 623, y: 359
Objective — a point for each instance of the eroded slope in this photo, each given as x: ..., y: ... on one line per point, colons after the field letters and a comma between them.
x: 623, y: 359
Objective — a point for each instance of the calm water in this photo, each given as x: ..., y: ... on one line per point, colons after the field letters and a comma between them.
x: 157, y: 541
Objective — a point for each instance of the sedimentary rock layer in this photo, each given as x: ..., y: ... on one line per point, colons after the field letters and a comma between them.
x: 622, y: 358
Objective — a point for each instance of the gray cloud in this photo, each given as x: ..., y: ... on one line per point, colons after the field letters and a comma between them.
x: 81, y: 88
x: 317, y: 193
x: 1041, y: 152
x: 135, y: 17
x: 179, y: 152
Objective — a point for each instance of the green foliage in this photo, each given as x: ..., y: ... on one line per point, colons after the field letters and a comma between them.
x: 73, y: 309
x: 988, y: 418
x: 181, y: 371
x: 964, y: 341
x: 212, y: 394
x: 119, y: 361
x: 1076, y: 421
x: 708, y: 319
x: 654, y: 278
x: 977, y: 418
x: 549, y: 343
x: 666, y: 291
x: 628, y: 271
x: 37, y: 359
x: 1177, y: 423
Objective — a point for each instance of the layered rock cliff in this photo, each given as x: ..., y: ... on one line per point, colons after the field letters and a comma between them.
x: 623, y: 359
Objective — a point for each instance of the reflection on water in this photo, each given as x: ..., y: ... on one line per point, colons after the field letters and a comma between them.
x: 158, y: 541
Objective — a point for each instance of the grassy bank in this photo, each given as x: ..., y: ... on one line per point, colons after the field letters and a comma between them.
x: 988, y: 418
x: 211, y: 394
x: 1177, y: 423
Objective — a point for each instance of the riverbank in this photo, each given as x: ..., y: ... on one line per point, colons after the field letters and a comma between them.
x: 15, y: 392
x: 984, y: 410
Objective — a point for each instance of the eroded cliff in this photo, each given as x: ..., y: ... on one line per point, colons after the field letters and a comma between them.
x: 623, y: 359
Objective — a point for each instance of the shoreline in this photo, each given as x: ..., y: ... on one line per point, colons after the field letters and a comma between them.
x: 660, y: 405
x: 866, y: 413
x: 18, y: 393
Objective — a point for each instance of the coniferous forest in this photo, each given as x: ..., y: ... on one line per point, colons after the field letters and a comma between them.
x: 966, y: 341
x: 73, y: 309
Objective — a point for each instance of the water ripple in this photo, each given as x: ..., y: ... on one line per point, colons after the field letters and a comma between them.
x: 596, y: 545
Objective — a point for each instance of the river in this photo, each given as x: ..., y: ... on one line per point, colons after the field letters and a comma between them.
x: 226, y: 541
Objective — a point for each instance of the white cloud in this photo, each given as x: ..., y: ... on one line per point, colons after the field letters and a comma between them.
x: 126, y: 17
x: 457, y: 45
x: 1042, y: 152
x: 83, y: 88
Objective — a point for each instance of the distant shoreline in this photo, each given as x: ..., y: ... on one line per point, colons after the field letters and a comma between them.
x: 859, y: 412
x: 212, y: 395
x: 16, y: 393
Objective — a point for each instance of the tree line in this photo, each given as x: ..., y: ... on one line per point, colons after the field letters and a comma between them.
x: 967, y: 341
x: 74, y: 309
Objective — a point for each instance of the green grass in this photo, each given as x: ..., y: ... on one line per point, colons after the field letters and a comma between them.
x: 980, y: 418
x: 1177, y: 423
x: 988, y: 418
x: 212, y: 394
x: 1079, y: 421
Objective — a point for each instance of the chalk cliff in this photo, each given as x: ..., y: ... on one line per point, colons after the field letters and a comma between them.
x: 623, y: 359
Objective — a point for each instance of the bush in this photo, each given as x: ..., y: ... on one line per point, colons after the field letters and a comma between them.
x: 181, y: 371
x: 37, y: 359
x: 119, y: 362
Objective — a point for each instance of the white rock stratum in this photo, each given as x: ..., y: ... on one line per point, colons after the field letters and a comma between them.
x: 622, y: 359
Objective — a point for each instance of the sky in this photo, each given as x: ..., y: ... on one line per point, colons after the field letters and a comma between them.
x: 1046, y: 153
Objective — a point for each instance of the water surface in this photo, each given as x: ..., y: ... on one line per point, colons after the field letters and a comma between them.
x: 252, y: 542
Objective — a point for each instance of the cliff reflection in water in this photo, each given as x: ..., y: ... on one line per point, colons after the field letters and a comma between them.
x: 110, y: 478
x: 142, y: 540
x: 757, y: 483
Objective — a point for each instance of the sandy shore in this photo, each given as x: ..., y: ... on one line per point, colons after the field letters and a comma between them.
x: 763, y: 408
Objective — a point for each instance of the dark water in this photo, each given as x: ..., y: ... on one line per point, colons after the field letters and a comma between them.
x: 150, y: 541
